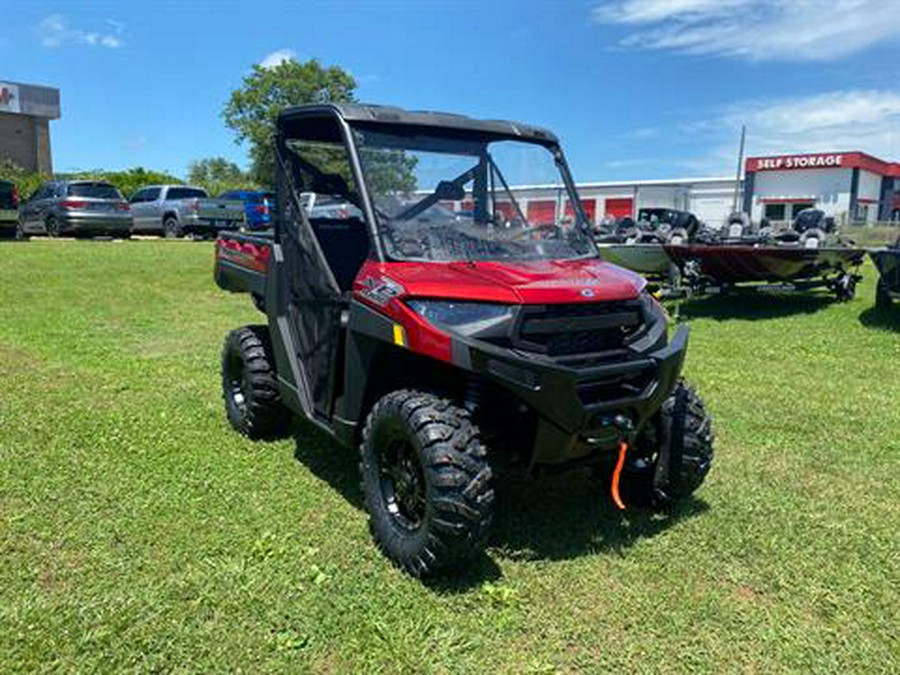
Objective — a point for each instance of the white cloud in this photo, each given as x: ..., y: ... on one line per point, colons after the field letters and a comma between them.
x: 625, y: 163
x: 54, y: 31
x: 278, y: 57
x: 754, y: 30
x: 865, y: 120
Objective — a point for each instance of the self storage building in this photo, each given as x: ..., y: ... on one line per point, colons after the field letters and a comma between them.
x: 853, y: 187
x: 25, y: 114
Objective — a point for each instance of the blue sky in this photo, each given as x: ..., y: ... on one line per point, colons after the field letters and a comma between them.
x: 635, y: 88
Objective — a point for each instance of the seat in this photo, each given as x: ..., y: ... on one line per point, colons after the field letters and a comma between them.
x: 345, y: 244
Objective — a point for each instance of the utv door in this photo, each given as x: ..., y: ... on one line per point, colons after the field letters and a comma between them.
x: 314, y: 295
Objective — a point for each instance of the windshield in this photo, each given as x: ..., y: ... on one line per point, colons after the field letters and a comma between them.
x: 94, y: 190
x: 185, y: 193
x: 444, y: 198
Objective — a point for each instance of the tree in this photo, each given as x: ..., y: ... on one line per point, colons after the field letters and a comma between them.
x: 252, y: 109
x: 217, y: 174
x: 26, y: 181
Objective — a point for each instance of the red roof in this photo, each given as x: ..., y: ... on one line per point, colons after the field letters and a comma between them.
x: 823, y: 160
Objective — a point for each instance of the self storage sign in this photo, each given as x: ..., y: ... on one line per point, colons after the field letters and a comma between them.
x: 788, y: 162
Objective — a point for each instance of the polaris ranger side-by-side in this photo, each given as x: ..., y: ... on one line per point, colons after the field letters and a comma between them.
x: 444, y: 327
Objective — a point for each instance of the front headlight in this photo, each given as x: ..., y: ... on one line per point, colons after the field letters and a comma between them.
x: 473, y: 316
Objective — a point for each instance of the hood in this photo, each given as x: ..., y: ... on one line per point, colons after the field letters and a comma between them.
x: 520, y: 282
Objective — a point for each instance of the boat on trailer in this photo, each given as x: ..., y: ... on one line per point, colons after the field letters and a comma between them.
x: 808, y: 256
x: 641, y: 246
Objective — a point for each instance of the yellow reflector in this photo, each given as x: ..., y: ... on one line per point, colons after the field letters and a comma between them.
x: 399, y: 335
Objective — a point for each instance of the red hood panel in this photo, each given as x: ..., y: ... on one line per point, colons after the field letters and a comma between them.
x: 521, y: 282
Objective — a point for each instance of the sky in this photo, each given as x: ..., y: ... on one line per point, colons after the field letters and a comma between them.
x: 635, y: 89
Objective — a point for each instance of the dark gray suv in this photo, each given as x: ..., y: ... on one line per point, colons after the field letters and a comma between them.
x: 77, y: 207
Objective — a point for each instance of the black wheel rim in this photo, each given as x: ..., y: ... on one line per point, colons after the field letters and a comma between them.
x: 234, y: 383
x: 402, y: 483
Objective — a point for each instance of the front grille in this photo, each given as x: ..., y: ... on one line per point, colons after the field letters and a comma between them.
x: 585, y: 328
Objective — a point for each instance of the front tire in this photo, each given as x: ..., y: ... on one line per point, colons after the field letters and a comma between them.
x: 673, y: 455
x: 250, y: 386
x: 172, y: 228
x: 20, y: 233
x: 426, y: 482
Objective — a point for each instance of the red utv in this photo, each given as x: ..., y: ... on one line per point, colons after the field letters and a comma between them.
x: 441, y: 328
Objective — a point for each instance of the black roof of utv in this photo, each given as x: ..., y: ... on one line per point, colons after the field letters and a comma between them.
x: 393, y: 116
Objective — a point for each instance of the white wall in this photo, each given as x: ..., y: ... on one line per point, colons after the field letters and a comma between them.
x: 869, y: 188
x: 709, y: 199
x: 869, y: 185
x: 828, y: 189
x: 713, y: 204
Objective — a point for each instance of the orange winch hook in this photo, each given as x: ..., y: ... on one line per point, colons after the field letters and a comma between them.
x: 617, y: 474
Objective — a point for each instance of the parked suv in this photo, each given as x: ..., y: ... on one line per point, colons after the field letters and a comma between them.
x: 9, y: 208
x: 259, y: 207
x: 77, y: 207
x: 176, y: 210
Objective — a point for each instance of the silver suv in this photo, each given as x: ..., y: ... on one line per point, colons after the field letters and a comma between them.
x: 77, y: 207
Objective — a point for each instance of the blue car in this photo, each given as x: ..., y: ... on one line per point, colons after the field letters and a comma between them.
x: 258, y: 206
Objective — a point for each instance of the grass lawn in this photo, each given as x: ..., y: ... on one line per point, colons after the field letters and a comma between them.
x: 138, y: 532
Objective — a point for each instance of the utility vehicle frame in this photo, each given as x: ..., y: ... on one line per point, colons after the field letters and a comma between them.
x: 446, y: 336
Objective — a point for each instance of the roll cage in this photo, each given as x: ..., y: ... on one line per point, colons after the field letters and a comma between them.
x: 335, y: 123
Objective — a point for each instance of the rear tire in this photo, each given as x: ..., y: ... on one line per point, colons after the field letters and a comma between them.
x: 250, y: 386
x: 172, y: 228
x: 426, y: 482
x: 20, y: 234
x: 673, y: 455
x: 51, y: 225
x: 883, y: 298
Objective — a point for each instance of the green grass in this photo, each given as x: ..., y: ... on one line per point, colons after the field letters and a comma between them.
x: 138, y: 532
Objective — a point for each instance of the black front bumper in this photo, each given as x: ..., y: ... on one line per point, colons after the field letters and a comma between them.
x: 576, y: 405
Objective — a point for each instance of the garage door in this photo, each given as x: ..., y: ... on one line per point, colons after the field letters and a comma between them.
x: 620, y: 207
x: 505, y: 209
x: 542, y: 211
x: 589, y: 206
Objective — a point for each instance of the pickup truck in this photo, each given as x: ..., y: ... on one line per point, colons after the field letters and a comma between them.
x: 9, y: 207
x: 176, y: 210
x: 259, y: 207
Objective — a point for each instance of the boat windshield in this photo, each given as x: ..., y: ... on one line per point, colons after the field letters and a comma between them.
x: 441, y: 197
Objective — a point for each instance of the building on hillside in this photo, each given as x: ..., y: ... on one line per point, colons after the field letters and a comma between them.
x: 25, y: 114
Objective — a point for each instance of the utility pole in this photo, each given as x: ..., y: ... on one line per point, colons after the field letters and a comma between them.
x: 737, y: 178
